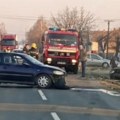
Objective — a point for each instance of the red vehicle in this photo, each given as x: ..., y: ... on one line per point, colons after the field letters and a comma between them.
x: 8, y: 41
x: 61, y: 48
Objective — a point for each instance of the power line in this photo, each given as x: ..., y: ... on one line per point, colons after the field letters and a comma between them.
x: 20, y: 17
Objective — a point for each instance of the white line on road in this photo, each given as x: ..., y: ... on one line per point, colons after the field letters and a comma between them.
x: 112, y: 93
x: 84, y: 89
x: 42, y: 95
x: 55, y: 116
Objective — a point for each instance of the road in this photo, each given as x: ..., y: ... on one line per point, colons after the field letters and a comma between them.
x: 30, y: 103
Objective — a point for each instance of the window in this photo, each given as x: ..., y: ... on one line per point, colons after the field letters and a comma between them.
x: 8, y: 42
x: 68, y: 40
x: 7, y: 59
x: 95, y: 57
x: 18, y: 60
x: 15, y: 59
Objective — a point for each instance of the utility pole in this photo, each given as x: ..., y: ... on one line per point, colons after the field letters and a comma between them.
x: 108, y: 36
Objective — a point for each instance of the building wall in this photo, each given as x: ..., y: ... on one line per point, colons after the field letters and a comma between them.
x: 94, y: 47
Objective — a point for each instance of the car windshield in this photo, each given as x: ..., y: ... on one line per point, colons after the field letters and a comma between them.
x: 96, y: 57
x: 33, y: 60
x: 62, y: 39
x: 8, y: 42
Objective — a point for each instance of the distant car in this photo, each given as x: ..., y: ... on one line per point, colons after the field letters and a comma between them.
x: 115, y: 73
x: 18, y: 50
x: 23, y: 69
x: 97, y: 60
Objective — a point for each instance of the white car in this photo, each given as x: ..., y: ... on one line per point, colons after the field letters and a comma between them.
x: 97, y: 60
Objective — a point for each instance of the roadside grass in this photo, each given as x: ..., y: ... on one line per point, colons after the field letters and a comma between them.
x: 102, y: 75
x: 96, y: 72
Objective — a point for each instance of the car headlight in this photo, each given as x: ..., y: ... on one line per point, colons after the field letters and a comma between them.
x: 74, y: 61
x: 56, y: 72
x: 49, y: 59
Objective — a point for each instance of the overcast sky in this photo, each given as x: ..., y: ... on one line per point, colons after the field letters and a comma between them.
x: 102, y: 9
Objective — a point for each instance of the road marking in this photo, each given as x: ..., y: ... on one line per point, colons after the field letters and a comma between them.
x: 55, y: 116
x: 42, y: 95
x: 84, y: 89
x: 112, y: 93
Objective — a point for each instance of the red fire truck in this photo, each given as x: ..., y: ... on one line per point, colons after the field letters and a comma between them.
x: 8, y: 41
x: 61, y: 48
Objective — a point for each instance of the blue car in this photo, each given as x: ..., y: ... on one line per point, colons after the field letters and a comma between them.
x: 23, y: 69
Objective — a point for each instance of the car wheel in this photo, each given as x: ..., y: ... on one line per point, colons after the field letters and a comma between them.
x: 43, y: 81
x: 105, y: 65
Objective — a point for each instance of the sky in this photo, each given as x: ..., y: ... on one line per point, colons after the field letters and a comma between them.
x: 32, y: 9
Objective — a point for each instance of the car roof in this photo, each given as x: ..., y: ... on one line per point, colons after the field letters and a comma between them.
x: 12, y: 53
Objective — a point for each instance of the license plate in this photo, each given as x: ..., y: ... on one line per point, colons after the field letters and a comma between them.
x: 61, y: 63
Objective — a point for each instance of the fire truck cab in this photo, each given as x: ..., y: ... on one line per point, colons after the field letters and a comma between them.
x: 8, y: 41
x: 61, y: 48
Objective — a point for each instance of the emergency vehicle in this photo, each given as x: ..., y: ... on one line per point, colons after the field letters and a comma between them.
x: 8, y: 41
x: 61, y: 48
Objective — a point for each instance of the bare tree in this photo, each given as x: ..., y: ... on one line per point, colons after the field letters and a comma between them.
x: 2, y: 29
x: 36, y: 32
x: 74, y: 18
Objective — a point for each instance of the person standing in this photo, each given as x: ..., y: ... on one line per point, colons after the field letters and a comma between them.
x: 33, y: 51
x: 113, y: 62
x: 83, y: 59
x: 7, y: 50
x: 26, y: 48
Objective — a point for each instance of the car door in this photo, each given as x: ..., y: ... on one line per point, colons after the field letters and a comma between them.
x: 2, y: 71
x: 96, y: 60
x: 14, y: 69
x: 91, y: 60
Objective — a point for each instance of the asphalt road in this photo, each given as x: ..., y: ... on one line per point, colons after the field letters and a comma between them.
x: 29, y: 103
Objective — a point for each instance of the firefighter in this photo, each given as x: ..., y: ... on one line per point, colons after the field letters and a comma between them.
x: 4, y: 50
x: 26, y: 48
x: 7, y: 50
x: 33, y: 51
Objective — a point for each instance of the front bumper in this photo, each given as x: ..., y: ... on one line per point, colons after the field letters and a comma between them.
x: 61, y: 62
x: 59, y: 81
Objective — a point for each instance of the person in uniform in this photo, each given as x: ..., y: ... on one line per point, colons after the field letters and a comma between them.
x: 26, y: 48
x: 33, y: 51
